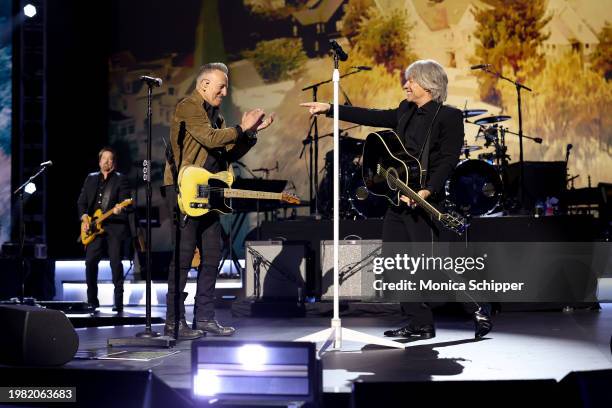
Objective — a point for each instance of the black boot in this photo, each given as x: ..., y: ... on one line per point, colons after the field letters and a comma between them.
x: 184, y: 331
x: 482, y: 323
x: 426, y: 331
x: 213, y: 327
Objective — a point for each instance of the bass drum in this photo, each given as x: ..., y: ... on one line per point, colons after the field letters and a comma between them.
x: 475, y: 188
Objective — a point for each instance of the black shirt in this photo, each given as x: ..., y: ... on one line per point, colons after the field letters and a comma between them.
x: 217, y: 159
x: 417, y: 128
x: 102, y: 183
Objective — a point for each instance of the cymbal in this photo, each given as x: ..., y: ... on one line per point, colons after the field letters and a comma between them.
x: 468, y: 113
x: 471, y: 148
x: 492, y: 119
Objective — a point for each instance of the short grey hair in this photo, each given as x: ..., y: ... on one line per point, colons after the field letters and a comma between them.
x: 212, y: 66
x: 431, y: 76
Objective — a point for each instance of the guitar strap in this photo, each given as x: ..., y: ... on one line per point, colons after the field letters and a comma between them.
x: 424, y: 154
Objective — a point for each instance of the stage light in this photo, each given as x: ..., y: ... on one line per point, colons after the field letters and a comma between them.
x: 206, y: 383
x: 29, y: 10
x: 264, y: 371
x: 30, y: 188
x: 253, y: 357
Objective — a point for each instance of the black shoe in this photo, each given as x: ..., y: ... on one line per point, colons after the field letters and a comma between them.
x: 426, y: 331
x: 184, y: 332
x: 482, y: 323
x: 118, y: 309
x: 213, y: 327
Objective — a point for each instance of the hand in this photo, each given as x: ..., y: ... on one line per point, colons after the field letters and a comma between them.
x: 117, y: 210
x: 424, y: 194
x: 252, y: 119
x: 266, y: 122
x: 316, y: 108
x: 85, y: 223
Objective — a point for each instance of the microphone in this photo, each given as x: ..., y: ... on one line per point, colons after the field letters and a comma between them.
x: 342, y: 56
x: 480, y: 66
x: 537, y: 140
x: 152, y: 81
x: 362, y: 193
x: 569, y: 147
x: 48, y: 163
x: 362, y: 68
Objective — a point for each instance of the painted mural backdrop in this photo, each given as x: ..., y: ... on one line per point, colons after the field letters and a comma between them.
x: 274, y: 48
x: 5, y: 119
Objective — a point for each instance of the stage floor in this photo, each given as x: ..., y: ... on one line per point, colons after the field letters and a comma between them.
x: 522, y: 345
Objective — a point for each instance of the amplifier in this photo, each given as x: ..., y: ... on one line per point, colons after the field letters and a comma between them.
x: 276, y: 269
x: 356, y: 264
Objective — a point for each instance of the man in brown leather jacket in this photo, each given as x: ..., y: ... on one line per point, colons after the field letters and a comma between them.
x: 200, y: 137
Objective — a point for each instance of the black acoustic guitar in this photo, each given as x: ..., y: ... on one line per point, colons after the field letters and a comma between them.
x: 389, y: 170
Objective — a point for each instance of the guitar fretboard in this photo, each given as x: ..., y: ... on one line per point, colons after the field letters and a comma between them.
x: 263, y: 195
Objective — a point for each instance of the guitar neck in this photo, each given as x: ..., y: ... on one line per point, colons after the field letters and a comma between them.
x: 110, y: 212
x: 410, y: 193
x: 262, y: 195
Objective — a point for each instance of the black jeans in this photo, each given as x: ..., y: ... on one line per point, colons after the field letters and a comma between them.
x: 93, y: 254
x: 407, y: 225
x: 205, y: 234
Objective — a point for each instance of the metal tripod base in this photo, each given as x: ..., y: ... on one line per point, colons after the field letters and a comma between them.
x: 143, y: 339
x: 336, y: 334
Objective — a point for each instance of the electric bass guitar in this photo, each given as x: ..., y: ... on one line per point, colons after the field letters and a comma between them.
x: 389, y: 170
x: 201, y: 191
x: 95, y: 222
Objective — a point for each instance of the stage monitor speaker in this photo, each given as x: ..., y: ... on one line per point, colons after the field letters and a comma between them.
x: 424, y: 392
x: 276, y: 269
x: 36, y: 336
x: 587, y: 388
x: 356, y: 262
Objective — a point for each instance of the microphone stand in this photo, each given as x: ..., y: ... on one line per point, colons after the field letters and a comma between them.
x: 148, y: 337
x: 19, y: 193
x: 518, y: 87
x: 313, y: 177
x: 336, y: 333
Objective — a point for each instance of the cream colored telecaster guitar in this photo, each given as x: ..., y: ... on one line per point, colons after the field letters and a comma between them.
x: 95, y: 223
x: 201, y: 191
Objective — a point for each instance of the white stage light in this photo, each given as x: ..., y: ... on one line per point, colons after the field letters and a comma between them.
x: 206, y: 383
x: 234, y: 371
x: 30, y: 188
x: 253, y: 357
x: 29, y: 10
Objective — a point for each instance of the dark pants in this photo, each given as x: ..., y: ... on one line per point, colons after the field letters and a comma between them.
x: 113, y: 242
x: 205, y: 234
x: 416, y: 226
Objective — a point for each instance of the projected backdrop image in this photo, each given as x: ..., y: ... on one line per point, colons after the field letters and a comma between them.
x: 5, y: 119
x: 559, y: 48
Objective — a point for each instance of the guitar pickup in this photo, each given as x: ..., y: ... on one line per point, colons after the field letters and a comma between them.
x: 198, y: 205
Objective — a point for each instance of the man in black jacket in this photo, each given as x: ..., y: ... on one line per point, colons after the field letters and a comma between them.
x: 103, y: 190
x: 420, y: 120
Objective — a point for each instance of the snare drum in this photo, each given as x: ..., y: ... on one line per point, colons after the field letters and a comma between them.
x: 475, y: 188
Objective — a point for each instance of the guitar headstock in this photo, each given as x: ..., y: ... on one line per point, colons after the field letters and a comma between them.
x: 290, y: 198
x: 126, y: 202
x: 454, y: 222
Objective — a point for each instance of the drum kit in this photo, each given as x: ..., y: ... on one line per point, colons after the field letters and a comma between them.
x: 476, y: 187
